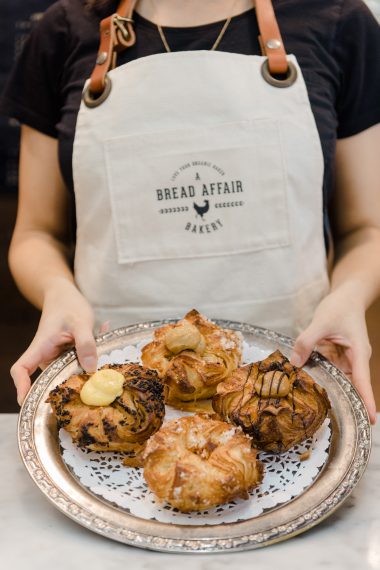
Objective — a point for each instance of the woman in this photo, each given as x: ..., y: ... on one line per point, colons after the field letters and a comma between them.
x: 210, y: 169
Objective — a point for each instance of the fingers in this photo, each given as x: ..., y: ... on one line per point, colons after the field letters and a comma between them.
x: 305, y: 344
x: 33, y: 358
x: 86, y: 348
x: 361, y: 378
x: 22, y: 370
x: 360, y: 369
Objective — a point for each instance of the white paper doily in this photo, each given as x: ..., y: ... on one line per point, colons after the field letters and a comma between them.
x: 286, y: 476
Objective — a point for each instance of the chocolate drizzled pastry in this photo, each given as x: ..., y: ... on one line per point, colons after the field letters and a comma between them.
x: 276, y: 403
x: 125, y: 424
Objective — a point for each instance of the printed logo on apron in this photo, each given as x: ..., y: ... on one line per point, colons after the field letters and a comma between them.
x: 211, y: 192
x: 199, y: 190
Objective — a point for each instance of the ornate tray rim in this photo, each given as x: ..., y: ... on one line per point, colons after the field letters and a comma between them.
x: 99, y: 517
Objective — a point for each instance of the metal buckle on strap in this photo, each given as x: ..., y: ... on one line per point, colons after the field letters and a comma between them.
x: 121, y: 24
x: 92, y: 101
x: 286, y: 81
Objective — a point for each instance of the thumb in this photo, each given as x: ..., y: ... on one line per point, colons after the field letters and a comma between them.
x: 22, y: 370
x: 361, y: 377
x: 305, y: 344
x: 86, y: 348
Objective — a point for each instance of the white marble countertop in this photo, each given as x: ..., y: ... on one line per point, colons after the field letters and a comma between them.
x: 33, y: 534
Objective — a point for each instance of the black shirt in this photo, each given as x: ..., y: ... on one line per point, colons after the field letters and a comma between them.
x: 336, y: 42
x: 17, y: 19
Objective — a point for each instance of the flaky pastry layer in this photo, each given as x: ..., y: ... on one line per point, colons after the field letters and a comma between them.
x: 192, y: 357
x: 125, y: 425
x: 195, y: 463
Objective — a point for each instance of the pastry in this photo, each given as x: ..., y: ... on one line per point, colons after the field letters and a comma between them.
x: 116, y: 409
x: 192, y: 357
x: 195, y: 463
x: 274, y: 402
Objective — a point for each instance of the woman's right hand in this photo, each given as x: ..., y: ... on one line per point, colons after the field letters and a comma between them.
x: 67, y: 320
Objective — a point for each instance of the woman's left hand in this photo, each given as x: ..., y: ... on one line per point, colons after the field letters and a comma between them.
x: 339, y: 331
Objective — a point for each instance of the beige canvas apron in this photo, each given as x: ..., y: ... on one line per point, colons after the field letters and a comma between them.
x: 199, y: 185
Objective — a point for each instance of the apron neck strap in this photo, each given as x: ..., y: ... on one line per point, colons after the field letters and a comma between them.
x: 117, y: 34
x: 270, y: 37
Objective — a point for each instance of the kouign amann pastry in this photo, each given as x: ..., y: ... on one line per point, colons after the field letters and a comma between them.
x: 195, y: 463
x: 192, y: 357
x: 115, y: 409
x: 274, y: 402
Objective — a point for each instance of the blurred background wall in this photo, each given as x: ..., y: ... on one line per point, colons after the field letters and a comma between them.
x: 18, y: 319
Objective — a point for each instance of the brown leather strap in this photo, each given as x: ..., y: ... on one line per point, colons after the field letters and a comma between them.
x: 116, y: 34
x: 270, y: 37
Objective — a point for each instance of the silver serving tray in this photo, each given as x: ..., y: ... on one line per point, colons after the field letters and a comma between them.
x: 348, y: 458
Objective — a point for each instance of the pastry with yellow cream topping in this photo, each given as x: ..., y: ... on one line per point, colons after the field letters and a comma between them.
x: 115, y: 409
x: 102, y: 388
x: 192, y: 357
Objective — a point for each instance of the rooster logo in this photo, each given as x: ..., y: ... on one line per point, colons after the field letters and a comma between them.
x: 201, y: 210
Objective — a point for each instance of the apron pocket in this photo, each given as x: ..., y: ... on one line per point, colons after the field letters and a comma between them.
x: 198, y: 192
